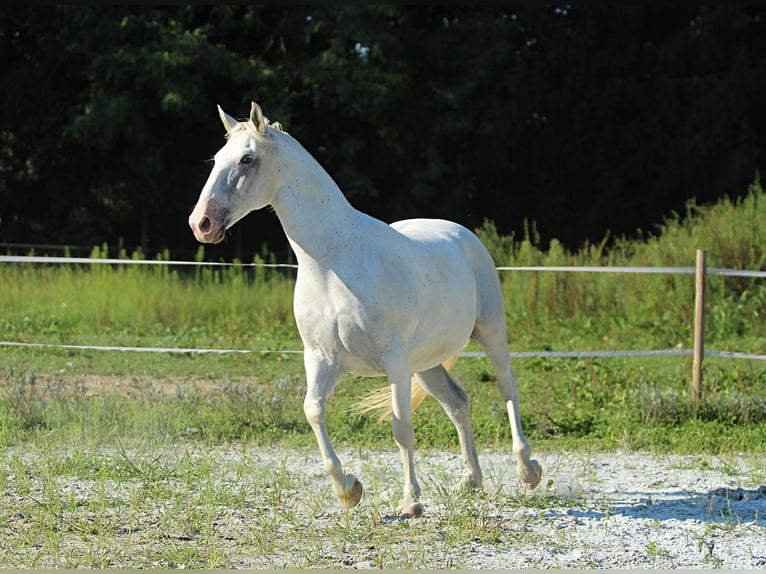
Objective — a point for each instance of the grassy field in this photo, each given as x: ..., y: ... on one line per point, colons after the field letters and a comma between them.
x: 112, y: 459
x: 50, y: 395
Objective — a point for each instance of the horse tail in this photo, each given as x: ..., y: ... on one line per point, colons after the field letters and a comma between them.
x: 379, y: 401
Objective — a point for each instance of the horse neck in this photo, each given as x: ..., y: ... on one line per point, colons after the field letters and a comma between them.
x: 315, y: 215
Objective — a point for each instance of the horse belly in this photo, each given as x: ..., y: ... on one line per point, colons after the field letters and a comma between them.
x: 418, y: 297
x: 447, y: 319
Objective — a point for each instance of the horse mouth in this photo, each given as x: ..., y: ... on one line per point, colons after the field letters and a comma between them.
x: 218, y: 238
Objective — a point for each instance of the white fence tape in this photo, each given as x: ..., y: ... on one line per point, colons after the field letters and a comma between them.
x: 657, y: 270
x: 604, y: 269
x: 465, y: 355
x: 95, y: 260
x: 565, y: 269
x: 142, y: 349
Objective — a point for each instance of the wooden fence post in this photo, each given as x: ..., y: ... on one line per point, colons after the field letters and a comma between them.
x: 699, y: 324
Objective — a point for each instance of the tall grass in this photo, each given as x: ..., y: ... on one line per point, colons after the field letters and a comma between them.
x: 144, y: 304
x: 594, y: 403
x: 239, y: 307
x: 655, y: 311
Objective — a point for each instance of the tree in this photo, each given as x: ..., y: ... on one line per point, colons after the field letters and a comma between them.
x: 581, y: 119
x: 39, y: 98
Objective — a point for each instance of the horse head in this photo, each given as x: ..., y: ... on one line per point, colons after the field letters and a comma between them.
x: 240, y: 181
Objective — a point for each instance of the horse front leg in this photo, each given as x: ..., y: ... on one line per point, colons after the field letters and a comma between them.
x: 321, y: 379
x: 404, y: 435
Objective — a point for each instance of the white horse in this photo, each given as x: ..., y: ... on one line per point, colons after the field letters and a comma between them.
x: 370, y: 298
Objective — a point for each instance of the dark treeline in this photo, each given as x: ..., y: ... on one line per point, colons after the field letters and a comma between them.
x: 583, y: 120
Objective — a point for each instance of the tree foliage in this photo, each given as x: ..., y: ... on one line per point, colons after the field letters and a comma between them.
x: 582, y: 120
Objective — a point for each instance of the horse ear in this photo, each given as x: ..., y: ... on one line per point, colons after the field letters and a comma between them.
x: 256, y: 118
x: 228, y: 121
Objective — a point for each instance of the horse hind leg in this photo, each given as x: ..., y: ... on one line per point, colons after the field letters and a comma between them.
x: 438, y: 383
x: 493, y: 340
x: 400, y: 380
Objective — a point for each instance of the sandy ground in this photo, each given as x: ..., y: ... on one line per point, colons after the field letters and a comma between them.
x: 616, y: 510
x: 639, y: 510
x: 605, y: 510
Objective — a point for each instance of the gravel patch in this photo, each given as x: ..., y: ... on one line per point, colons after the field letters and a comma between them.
x: 639, y: 510
x: 248, y: 507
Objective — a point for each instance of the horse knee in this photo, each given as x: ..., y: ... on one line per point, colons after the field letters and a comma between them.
x: 403, y: 431
x: 313, y: 409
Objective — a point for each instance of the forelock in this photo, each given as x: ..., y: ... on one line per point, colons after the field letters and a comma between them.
x: 248, y: 126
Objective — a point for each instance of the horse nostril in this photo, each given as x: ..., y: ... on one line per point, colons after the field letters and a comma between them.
x: 204, y: 224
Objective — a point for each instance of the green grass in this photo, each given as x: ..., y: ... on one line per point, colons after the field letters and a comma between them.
x: 606, y: 310
x: 146, y: 506
x: 199, y: 506
x: 643, y: 403
x: 146, y: 305
x: 587, y: 404
x: 119, y: 459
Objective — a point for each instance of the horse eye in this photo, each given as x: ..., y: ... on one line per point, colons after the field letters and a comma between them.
x: 246, y: 160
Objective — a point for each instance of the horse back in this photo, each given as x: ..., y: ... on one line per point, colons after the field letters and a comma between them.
x: 439, y: 232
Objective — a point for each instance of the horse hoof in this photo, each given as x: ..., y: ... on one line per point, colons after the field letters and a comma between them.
x: 530, y: 475
x: 413, y: 510
x: 352, y: 493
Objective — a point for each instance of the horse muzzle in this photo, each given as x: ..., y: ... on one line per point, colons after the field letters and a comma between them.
x: 207, y: 229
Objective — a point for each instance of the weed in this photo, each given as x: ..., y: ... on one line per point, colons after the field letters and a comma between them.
x: 659, y: 556
x: 706, y: 548
x: 24, y: 403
